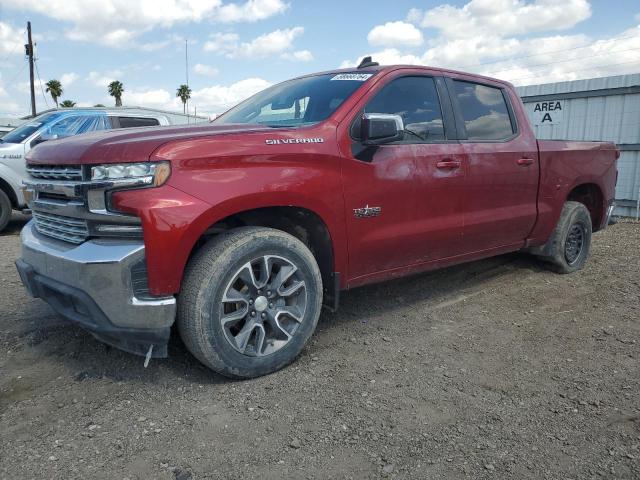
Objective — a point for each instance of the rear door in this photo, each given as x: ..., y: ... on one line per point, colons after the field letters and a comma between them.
x: 502, y: 165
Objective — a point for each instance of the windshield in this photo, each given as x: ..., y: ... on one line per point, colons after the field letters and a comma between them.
x: 27, y: 129
x: 302, y: 101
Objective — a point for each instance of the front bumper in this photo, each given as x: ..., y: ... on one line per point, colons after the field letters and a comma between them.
x: 97, y: 285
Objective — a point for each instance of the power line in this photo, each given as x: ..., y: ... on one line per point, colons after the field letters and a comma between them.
x: 547, y: 53
x: 24, y: 65
x: 13, y: 50
x: 598, y: 67
x: 35, y: 61
x: 563, y: 61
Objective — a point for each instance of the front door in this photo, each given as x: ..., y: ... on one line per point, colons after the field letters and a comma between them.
x: 403, y: 200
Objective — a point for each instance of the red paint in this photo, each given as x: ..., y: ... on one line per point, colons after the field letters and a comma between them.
x: 441, y: 203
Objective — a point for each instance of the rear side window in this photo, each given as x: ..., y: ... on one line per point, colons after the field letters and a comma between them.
x: 484, y: 111
x: 129, y: 122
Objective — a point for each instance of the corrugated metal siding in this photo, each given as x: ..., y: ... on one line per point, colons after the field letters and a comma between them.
x: 611, y: 117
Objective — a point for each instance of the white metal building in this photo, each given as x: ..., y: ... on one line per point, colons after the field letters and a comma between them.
x: 599, y: 109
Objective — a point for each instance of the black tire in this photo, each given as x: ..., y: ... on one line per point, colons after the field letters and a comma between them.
x: 207, y: 281
x: 574, y: 229
x: 5, y: 210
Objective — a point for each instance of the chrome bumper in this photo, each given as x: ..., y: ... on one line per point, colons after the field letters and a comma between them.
x: 97, y: 278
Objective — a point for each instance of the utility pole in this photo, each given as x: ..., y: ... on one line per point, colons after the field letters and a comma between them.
x: 29, y: 52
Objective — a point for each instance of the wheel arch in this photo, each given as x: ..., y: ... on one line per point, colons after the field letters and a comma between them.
x: 6, y: 188
x: 591, y: 196
x: 301, y: 222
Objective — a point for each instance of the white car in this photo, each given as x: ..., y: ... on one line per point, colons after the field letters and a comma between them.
x: 51, y: 125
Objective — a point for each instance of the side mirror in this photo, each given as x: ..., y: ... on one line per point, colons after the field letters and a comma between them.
x: 43, y: 137
x: 381, y: 128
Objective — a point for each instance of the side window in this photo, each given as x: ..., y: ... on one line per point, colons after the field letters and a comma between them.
x: 128, y: 122
x: 416, y: 100
x: 484, y: 111
x: 77, y: 124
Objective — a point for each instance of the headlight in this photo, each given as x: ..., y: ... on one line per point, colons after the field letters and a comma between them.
x: 151, y: 173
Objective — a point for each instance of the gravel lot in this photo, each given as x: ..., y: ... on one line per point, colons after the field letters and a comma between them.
x: 496, y: 369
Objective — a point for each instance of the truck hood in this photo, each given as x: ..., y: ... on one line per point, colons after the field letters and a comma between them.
x: 126, y: 145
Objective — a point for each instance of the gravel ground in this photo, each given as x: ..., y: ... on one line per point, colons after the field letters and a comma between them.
x: 495, y: 369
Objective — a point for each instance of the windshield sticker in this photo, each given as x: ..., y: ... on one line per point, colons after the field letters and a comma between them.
x: 358, y: 77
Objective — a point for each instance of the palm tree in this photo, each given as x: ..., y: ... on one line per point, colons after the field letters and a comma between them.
x: 184, y: 92
x: 54, y: 87
x: 116, y: 89
x: 68, y: 104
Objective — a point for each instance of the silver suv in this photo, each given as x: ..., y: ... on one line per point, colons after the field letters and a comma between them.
x: 58, y: 124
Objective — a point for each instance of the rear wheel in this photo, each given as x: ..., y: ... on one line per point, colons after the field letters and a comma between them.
x: 5, y: 210
x: 250, y: 301
x: 569, y: 245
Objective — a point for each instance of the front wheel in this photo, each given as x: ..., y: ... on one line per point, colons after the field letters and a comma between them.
x: 5, y: 210
x: 570, y: 243
x: 250, y: 301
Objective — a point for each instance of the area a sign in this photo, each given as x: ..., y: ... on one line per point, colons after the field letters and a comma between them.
x: 548, y: 113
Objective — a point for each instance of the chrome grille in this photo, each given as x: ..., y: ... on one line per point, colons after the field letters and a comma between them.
x: 56, y: 172
x: 69, y: 229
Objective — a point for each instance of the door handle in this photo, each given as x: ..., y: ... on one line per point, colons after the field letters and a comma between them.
x: 525, y: 161
x: 448, y: 164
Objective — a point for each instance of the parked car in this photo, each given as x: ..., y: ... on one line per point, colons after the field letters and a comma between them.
x: 61, y: 123
x: 242, y: 229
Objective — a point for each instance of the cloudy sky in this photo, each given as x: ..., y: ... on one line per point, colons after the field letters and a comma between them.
x: 238, y: 47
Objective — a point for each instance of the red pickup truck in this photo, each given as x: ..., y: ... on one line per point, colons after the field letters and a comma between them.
x: 239, y: 231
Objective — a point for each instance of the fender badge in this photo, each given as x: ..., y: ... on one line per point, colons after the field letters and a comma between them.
x: 367, y: 211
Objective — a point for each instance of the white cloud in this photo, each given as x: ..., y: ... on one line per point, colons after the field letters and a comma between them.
x: 487, y: 37
x: 394, y: 34
x: 157, y: 98
x: 12, y: 40
x: 298, y: 56
x: 269, y: 44
x: 211, y: 100
x: 502, y: 17
x: 206, y: 70
x: 219, y: 98
x: 221, y: 43
x: 251, y: 11
x: 118, y: 23
x: 68, y: 78
x: 103, y: 79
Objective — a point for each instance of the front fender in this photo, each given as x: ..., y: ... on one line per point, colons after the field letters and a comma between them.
x: 13, y: 177
x: 173, y: 221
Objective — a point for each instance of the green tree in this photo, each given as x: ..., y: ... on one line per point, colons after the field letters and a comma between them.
x: 184, y: 92
x: 99, y: 105
x: 68, y: 104
x: 54, y: 87
x: 116, y: 89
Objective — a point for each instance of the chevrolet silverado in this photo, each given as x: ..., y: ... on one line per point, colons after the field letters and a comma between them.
x: 239, y: 231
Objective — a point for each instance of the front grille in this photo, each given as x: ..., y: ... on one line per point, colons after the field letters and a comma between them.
x: 69, y: 229
x: 56, y: 172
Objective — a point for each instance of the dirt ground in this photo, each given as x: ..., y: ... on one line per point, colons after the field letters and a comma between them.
x: 495, y: 369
